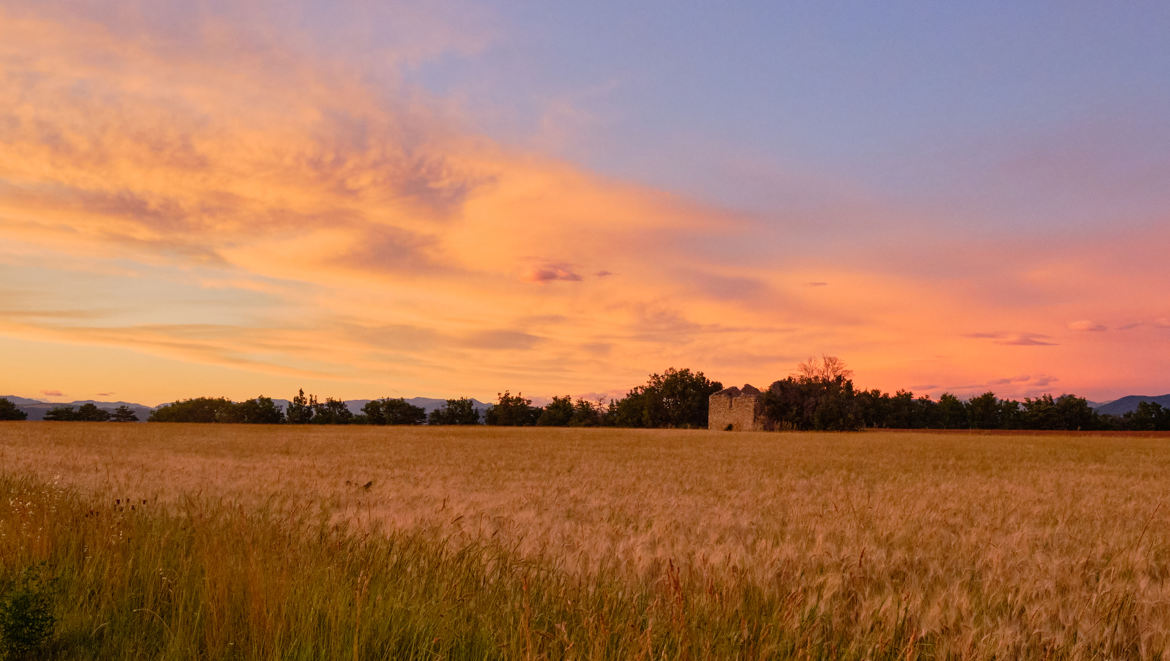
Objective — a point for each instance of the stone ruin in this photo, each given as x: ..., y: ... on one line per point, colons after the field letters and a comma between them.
x: 737, y: 409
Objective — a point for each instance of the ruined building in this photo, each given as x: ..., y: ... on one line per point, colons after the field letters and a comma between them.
x: 737, y: 409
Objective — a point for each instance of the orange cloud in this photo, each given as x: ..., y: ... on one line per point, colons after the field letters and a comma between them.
x: 276, y: 216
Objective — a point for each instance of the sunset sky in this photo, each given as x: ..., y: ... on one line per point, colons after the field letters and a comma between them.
x: 368, y: 199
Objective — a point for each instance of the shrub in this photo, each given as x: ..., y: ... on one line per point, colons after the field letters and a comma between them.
x: 26, y: 615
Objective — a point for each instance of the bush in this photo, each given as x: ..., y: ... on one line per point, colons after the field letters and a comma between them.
x: 26, y: 615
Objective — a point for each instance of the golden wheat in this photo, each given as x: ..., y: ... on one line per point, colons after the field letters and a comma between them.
x: 987, y: 544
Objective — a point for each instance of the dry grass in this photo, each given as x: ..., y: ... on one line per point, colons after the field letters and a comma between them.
x: 912, y: 544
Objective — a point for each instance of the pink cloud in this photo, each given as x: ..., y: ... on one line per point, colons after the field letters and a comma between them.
x: 1015, y: 339
x: 551, y: 273
x: 1086, y: 325
x: 275, y: 170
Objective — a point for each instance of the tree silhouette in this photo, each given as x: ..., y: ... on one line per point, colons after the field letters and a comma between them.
x: 512, y: 411
x: 455, y: 412
x: 8, y: 410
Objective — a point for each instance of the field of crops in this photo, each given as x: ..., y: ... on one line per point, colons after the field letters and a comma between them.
x: 219, y: 541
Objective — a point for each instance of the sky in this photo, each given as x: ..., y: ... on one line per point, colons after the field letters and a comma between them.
x: 445, y: 199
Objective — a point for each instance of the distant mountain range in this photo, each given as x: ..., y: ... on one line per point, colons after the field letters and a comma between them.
x: 36, y: 409
x: 1130, y: 403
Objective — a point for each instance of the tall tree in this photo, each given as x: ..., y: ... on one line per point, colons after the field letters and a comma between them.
x: 587, y: 414
x: 1074, y: 413
x: 300, y: 409
x: 259, y: 411
x: 675, y: 398
x: 401, y: 412
x: 984, y: 411
x: 89, y: 412
x: 396, y: 411
x: 512, y: 411
x: 1040, y: 413
x: 375, y: 414
x: 819, y: 396
x: 951, y: 412
x: 332, y: 412
x: 199, y: 409
x: 1148, y: 416
x: 455, y: 412
x: 557, y: 413
x: 124, y: 414
x: 1011, y: 414
x: 828, y: 368
x: 61, y: 414
x: 9, y: 411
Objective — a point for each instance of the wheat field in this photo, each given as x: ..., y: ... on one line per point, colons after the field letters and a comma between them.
x: 207, y: 541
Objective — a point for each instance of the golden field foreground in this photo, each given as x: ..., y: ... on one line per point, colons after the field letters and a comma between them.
x: 376, y: 542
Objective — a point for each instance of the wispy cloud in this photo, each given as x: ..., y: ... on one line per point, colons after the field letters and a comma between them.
x: 302, y: 218
x: 1015, y: 339
x: 551, y: 273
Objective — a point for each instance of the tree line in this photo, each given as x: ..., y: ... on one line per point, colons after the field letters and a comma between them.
x: 676, y: 398
x: 85, y: 413
x: 820, y: 396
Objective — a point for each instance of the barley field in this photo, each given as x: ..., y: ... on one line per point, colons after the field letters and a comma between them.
x: 254, y: 542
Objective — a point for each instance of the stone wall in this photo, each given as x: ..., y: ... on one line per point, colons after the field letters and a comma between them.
x: 736, y: 409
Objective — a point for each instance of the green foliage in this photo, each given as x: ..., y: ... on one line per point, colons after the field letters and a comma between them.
x: 512, y: 411
x: 557, y: 413
x: 401, y: 412
x: 985, y: 411
x: 124, y: 414
x: 86, y: 413
x: 61, y: 414
x: 951, y: 412
x: 675, y: 398
x: 9, y: 411
x: 374, y: 413
x: 198, y: 409
x: 564, y: 412
x: 26, y: 615
x: 903, y: 411
x: 1074, y: 413
x: 331, y: 412
x: 91, y: 413
x: 820, y: 397
x: 300, y: 409
x: 260, y: 411
x: 395, y: 411
x: 1149, y: 416
x: 813, y: 403
x: 455, y: 412
x: 587, y: 414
